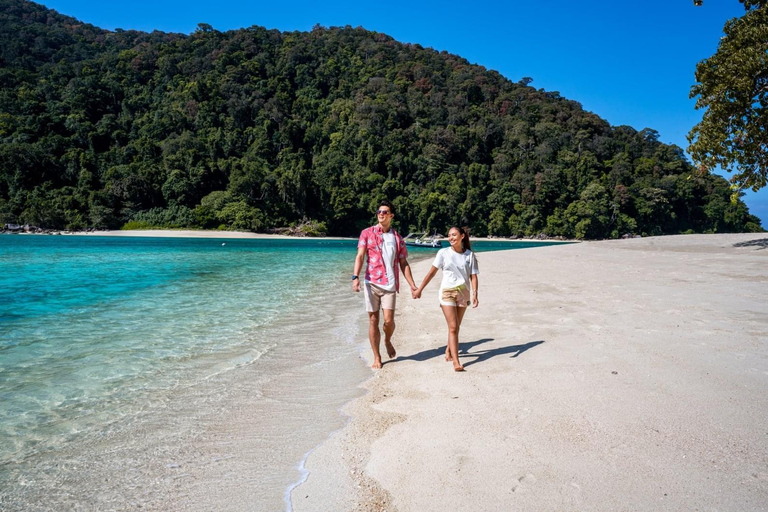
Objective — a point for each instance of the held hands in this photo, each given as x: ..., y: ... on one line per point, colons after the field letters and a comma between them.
x: 415, y: 292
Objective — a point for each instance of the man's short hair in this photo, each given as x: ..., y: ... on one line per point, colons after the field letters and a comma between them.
x: 385, y: 202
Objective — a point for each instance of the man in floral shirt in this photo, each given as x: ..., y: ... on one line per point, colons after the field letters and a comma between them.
x: 383, y: 247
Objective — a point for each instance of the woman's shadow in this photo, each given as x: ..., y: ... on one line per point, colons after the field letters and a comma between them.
x: 479, y: 355
x: 484, y: 355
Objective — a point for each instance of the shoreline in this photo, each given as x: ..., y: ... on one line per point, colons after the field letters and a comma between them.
x: 203, y: 233
x: 232, y: 418
x: 599, y: 376
x: 184, y: 233
x: 316, y: 403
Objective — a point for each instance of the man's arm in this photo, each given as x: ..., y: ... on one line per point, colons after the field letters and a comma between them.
x: 359, y: 259
x: 406, y: 268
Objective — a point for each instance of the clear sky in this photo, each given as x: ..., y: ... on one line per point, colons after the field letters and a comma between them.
x: 629, y: 61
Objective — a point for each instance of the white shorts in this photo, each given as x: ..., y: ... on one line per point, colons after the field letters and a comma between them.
x: 376, y: 298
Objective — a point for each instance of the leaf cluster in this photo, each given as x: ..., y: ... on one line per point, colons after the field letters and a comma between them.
x: 732, y: 89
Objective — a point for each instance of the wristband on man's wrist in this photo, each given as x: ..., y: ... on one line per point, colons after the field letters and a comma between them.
x: 354, y: 277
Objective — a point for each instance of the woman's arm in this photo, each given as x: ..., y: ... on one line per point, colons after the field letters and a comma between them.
x: 417, y: 292
x: 475, y: 301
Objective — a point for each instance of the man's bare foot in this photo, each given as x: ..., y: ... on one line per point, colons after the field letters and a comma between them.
x: 391, y: 352
x: 376, y: 364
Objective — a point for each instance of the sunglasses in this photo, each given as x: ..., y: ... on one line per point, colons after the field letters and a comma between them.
x: 383, y: 212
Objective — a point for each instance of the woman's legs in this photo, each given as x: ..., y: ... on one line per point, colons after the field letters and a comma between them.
x: 453, y: 316
x: 459, y: 317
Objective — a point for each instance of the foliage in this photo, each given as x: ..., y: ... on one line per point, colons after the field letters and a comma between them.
x: 733, y: 88
x: 137, y: 224
x: 308, y: 227
x: 254, y: 129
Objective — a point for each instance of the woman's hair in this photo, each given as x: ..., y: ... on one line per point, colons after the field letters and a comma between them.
x: 464, y: 241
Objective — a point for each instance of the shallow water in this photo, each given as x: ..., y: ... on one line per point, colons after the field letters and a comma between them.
x: 107, y: 337
x: 138, y: 370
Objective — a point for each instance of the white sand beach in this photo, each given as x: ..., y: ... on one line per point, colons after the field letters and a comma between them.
x: 213, y: 233
x: 615, y: 375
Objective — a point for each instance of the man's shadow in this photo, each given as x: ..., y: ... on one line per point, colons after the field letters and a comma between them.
x: 480, y: 356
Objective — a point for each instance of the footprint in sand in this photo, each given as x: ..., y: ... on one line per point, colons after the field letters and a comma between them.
x: 523, y: 483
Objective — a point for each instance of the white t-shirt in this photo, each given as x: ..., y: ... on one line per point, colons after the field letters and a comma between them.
x: 456, y: 267
x: 388, y: 251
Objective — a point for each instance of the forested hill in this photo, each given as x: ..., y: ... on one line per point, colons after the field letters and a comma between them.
x: 255, y: 129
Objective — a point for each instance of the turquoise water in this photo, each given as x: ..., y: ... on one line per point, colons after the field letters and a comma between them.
x: 102, y: 336
x: 90, y: 324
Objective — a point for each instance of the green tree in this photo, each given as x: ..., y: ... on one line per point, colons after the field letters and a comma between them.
x: 733, y: 88
x: 258, y: 129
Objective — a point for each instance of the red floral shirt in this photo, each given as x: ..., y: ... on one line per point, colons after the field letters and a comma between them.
x: 376, y: 271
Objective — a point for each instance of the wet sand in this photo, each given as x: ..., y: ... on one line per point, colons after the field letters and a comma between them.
x: 615, y: 375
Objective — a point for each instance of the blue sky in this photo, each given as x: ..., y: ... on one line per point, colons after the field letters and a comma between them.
x: 630, y: 62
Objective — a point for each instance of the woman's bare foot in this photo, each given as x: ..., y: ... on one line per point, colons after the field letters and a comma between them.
x: 376, y: 364
x: 391, y: 352
x: 448, y: 356
x: 458, y: 368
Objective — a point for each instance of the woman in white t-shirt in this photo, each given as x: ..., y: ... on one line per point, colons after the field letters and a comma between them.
x: 459, y: 267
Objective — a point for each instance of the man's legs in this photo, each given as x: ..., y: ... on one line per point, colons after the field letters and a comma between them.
x: 374, y: 336
x: 376, y: 300
x: 389, y: 328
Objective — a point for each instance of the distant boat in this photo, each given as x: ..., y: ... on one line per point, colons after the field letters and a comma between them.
x: 422, y: 240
